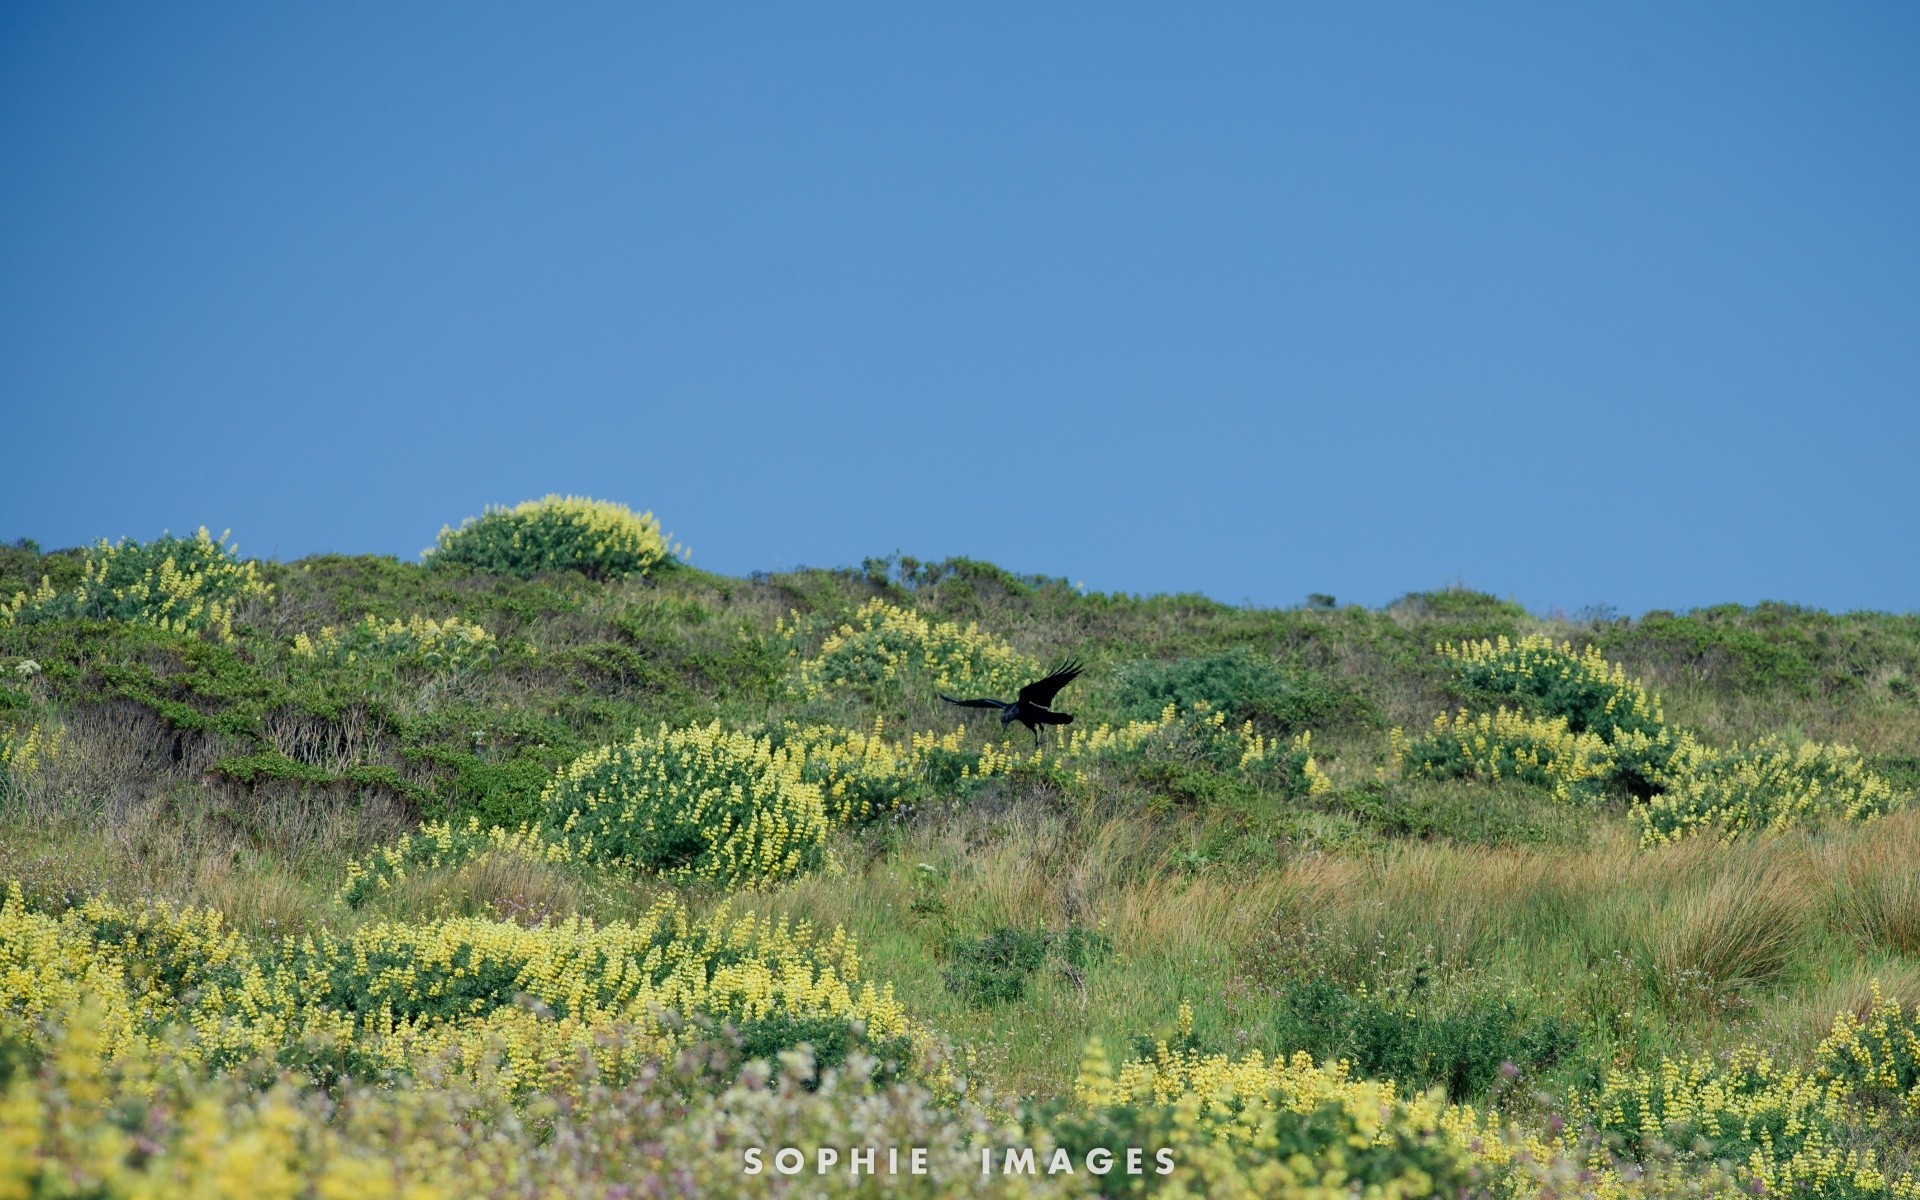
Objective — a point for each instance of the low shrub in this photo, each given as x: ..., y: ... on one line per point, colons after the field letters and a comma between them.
x: 1244, y: 685
x: 1506, y: 744
x: 861, y: 775
x: 697, y: 803
x: 598, y: 538
x: 1554, y: 680
x: 996, y: 968
x: 190, y: 585
x: 1765, y: 785
x: 1461, y: 1048
x: 445, y: 645
x: 886, y: 645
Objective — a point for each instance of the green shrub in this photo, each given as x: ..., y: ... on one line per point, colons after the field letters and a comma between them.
x: 1766, y: 785
x: 179, y: 584
x: 598, y: 538
x: 1460, y: 1049
x: 1244, y: 685
x: 996, y: 968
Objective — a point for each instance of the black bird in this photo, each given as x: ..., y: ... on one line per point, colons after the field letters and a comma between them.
x: 1030, y: 708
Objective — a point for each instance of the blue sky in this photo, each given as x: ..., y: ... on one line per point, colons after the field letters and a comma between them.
x: 1612, y: 303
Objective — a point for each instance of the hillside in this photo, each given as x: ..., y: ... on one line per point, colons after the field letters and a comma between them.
x: 1632, y: 846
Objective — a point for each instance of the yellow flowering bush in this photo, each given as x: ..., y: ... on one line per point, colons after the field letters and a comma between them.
x: 1788, y: 1132
x: 25, y: 750
x: 861, y: 775
x: 481, y: 995
x: 599, y: 538
x: 1549, y: 679
x: 183, y: 584
x: 447, y: 644
x: 1766, y: 785
x: 1876, y: 1055
x: 1506, y: 744
x: 885, y: 643
x: 1254, y: 1127
x: 698, y: 803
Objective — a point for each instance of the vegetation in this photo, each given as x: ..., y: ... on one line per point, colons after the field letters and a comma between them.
x: 600, y: 539
x: 631, y: 866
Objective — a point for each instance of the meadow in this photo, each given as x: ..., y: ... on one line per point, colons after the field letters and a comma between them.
x: 554, y: 865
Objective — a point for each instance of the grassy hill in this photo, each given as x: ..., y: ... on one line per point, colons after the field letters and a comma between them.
x: 1271, y: 847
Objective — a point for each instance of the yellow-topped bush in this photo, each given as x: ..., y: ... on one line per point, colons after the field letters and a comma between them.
x: 1506, y: 744
x: 698, y: 803
x: 190, y: 585
x: 446, y: 644
x: 1766, y: 785
x: 598, y: 538
x: 1553, y: 679
x: 1549, y: 679
x: 886, y: 644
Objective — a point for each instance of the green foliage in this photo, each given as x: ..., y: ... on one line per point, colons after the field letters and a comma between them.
x: 598, y: 538
x: 1244, y: 685
x: 448, y: 645
x: 996, y: 968
x: 178, y: 584
x: 1461, y: 1048
x: 830, y: 1039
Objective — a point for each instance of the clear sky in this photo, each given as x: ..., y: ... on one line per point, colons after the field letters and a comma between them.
x: 1611, y: 303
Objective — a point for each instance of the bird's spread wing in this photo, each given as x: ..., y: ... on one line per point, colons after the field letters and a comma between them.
x: 1042, y: 691
x: 1046, y: 716
x: 971, y: 703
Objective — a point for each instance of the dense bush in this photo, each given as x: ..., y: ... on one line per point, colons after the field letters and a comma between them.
x: 1244, y: 685
x: 181, y: 584
x: 1792, y: 1132
x: 993, y: 969
x: 598, y: 538
x: 1554, y: 680
x: 1766, y: 785
x: 1505, y: 744
x: 697, y: 803
x: 1546, y: 679
x: 1461, y: 1048
x: 887, y: 645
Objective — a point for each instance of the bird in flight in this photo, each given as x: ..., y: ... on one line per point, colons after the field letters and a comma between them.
x: 1031, y: 707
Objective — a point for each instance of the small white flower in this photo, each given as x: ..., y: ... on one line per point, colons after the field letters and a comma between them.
x: 26, y: 668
